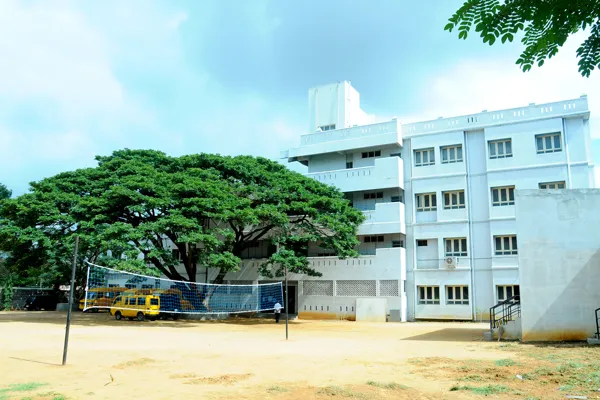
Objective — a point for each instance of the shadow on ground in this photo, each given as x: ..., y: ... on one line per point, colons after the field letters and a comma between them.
x: 450, y: 335
x: 105, y: 319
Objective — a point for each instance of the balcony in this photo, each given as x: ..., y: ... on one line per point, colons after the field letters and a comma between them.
x: 384, y: 219
x: 386, y: 173
x: 388, y: 263
x: 374, y: 135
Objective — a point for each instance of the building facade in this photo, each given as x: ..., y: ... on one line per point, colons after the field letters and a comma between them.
x: 440, y: 237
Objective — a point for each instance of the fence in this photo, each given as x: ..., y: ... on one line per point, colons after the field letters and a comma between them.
x: 20, y: 295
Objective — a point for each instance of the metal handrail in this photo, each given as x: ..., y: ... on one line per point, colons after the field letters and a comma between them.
x: 508, y: 309
x: 597, y: 323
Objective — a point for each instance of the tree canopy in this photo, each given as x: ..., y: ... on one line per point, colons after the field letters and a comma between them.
x: 5, y: 192
x: 137, y: 206
x: 546, y: 25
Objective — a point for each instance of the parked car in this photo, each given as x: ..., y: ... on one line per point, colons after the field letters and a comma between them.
x: 41, y: 302
x: 136, y: 306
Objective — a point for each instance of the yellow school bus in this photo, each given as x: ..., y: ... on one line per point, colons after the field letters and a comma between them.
x: 138, y: 306
x: 100, y: 298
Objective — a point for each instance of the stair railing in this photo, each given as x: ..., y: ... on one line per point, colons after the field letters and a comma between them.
x: 506, y: 310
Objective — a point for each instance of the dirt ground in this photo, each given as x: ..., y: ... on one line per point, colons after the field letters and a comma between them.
x: 250, y: 359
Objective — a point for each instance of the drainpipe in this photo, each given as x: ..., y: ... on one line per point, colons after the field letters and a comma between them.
x: 566, y: 146
x: 469, y: 217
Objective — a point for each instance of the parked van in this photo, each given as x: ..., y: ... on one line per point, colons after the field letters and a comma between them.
x: 38, y: 302
x: 136, y: 306
x: 100, y: 298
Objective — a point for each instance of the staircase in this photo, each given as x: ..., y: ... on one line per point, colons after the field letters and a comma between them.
x: 596, y: 338
x: 505, y: 317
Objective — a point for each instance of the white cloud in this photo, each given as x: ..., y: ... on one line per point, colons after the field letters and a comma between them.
x: 49, y: 53
x: 474, y: 85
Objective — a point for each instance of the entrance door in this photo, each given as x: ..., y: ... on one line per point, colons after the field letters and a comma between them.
x: 291, y: 299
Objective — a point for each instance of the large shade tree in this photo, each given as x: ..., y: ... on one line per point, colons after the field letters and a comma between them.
x: 545, y: 26
x: 137, y: 206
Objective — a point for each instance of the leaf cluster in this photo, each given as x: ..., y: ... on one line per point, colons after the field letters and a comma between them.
x: 545, y: 26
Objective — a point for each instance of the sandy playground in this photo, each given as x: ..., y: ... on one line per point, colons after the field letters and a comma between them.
x: 250, y: 359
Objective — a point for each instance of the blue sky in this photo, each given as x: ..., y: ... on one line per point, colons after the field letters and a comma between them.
x: 81, y: 78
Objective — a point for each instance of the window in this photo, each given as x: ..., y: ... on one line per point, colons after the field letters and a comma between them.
x: 552, y: 185
x: 147, y: 286
x: 426, y: 202
x: 397, y: 243
x: 457, y: 295
x: 456, y: 247
x: 505, y: 245
x: 370, y: 154
x: 429, y: 294
x: 175, y: 253
x: 500, y: 148
x: 130, y: 286
x: 548, y: 143
x: 424, y: 157
x: 374, y: 195
x: 451, y: 154
x: 141, y: 301
x: 421, y: 243
x: 396, y: 199
x: 153, y: 302
x: 399, y: 155
x: 505, y: 292
x: 349, y: 164
x: 454, y: 199
x: 373, y: 239
x: 329, y: 127
x: 503, y: 196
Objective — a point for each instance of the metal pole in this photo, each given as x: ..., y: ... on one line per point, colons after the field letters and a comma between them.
x: 72, y: 289
x: 287, y: 310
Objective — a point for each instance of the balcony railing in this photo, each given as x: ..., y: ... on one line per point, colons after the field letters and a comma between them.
x: 380, y: 134
x: 385, y: 218
x: 386, y: 173
x: 475, y: 121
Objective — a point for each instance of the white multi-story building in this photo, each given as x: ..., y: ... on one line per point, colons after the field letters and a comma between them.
x: 440, y: 239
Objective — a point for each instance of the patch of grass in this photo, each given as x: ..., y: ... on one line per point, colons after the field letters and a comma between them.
x: 276, y: 388
x: 389, y: 385
x: 59, y: 397
x: 22, y: 387
x: 334, y: 391
x: 472, y: 378
x: 483, y: 390
x: 506, y: 362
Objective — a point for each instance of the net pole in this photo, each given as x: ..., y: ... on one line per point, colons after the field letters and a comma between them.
x: 287, y: 311
x: 71, y: 291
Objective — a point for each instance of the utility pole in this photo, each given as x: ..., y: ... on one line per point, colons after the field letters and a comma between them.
x: 71, y: 291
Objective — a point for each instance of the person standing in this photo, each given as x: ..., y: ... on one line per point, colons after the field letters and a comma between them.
x: 277, y: 307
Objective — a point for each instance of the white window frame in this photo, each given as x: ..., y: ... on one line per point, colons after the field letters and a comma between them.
x: 421, y: 200
x: 501, y: 148
x: 553, y: 185
x: 324, y: 128
x: 455, y: 150
x: 454, y: 197
x: 509, y: 199
x: 505, y: 245
x: 428, y: 296
x: 504, y: 289
x: 370, y: 154
x: 430, y: 151
x: 456, y: 295
x: 545, y: 147
x: 458, y: 247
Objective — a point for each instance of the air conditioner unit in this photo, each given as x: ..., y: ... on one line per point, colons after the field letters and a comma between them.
x: 450, y: 262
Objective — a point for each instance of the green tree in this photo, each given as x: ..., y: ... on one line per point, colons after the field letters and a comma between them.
x: 546, y: 25
x: 210, y: 208
x: 5, y: 192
